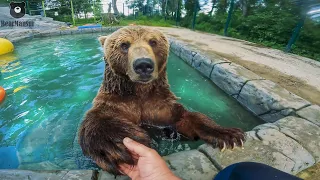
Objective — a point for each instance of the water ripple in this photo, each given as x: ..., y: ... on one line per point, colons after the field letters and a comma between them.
x: 52, y: 71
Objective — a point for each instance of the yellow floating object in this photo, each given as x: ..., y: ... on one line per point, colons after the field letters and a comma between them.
x: 19, y: 89
x: 2, y: 94
x: 5, y: 46
x: 7, y: 58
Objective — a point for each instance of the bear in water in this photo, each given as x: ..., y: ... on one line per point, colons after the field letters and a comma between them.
x: 135, y: 91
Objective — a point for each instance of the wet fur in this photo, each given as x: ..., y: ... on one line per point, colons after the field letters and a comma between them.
x: 122, y: 106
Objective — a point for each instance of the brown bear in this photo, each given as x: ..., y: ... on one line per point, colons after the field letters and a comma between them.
x: 135, y: 91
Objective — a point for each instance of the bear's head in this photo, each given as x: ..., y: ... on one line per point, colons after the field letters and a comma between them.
x: 17, y: 9
x: 136, y: 52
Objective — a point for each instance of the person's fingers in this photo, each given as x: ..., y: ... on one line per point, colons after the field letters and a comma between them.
x: 136, y: 147
x: 125, y: 168
x: 135, y: 156
x: 128, y: 170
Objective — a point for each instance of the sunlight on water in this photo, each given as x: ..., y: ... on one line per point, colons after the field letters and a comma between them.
x: 50, y: 84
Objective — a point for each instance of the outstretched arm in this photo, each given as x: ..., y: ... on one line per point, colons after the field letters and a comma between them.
x: 196, y: 125
x: 100, y: 137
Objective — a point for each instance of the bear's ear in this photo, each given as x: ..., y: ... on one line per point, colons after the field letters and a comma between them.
x: 103, y: 39
x: 23, y: 4
x: 12, y: 4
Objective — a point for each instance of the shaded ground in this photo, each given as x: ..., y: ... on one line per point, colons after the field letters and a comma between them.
x: 297, y: 74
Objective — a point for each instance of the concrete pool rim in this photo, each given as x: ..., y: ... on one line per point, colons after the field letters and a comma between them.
x: 289, y: 141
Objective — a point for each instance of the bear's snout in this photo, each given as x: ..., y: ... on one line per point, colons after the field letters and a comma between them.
x: 144, y: 67
x: 138, y: 53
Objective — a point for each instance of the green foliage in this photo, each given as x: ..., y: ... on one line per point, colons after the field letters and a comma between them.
x: 190, y: 7
x: 80, y: 22
x: 136, y: 4
x: 213, y: 25
x: 147, y: 21
x: 270, y: 24
x: 63, y: 18
x: 267, y: 22
x: 222, y: 6
x: 276, y: 27
x: 308, y: 43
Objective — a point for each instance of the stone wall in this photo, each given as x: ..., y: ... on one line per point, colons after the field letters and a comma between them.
x: 264, y: 98
x: 289, y: 141
x: 16, y: 35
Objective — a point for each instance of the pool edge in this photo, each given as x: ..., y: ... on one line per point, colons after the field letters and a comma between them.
x: 25, y: 34
x: 272, y: 103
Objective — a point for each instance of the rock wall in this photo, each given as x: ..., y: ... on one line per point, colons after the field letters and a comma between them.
x: 23, y: 34
x: 264, y: 98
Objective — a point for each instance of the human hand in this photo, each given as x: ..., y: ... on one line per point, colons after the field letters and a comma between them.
x: 150, y: 165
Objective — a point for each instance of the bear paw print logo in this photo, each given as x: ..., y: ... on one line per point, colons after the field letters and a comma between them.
x: 17, y: 9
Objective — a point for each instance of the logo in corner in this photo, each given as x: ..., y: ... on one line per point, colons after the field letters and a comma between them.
x: 17, y: 9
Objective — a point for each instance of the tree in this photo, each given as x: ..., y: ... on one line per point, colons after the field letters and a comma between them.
x: 97, y: 8
x: 83, y: 6
x: 191, y: 7
x: 137, y: 5
x: 162, y: 4
x: 214, y: 2
x: 245, y: 7
x: 171, y: 7
x: 222, y: 6
x: 114, y: 6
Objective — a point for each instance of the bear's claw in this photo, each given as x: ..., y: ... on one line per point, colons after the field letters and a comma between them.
x: 224, y: 147
x: 242, y: 146
x: 226, y: 138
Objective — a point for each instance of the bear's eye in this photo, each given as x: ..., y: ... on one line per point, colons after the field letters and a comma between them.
x: 153, y: 43
x: 125, y: 46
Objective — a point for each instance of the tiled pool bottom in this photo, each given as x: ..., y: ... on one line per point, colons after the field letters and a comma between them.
x: 50, y: 84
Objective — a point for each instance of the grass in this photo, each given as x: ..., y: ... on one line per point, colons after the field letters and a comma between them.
x: 162, y: 22
x: 140, y: 20
x: 146, y: 21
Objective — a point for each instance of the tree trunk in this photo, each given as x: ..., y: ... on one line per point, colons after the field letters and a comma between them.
x: 109, y: 8
x: 85, y: 14
x: 115, y: 9
x: 214, y: 2
x: 163, y: 7
x: 244, y: 7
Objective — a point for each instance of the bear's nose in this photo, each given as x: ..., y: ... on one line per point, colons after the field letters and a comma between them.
x: 143, y: 66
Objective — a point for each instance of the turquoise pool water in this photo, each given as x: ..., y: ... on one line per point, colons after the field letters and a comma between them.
x: 50, y: 84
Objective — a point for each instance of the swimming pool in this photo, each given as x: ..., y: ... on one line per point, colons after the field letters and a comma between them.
x: 50, y: 84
